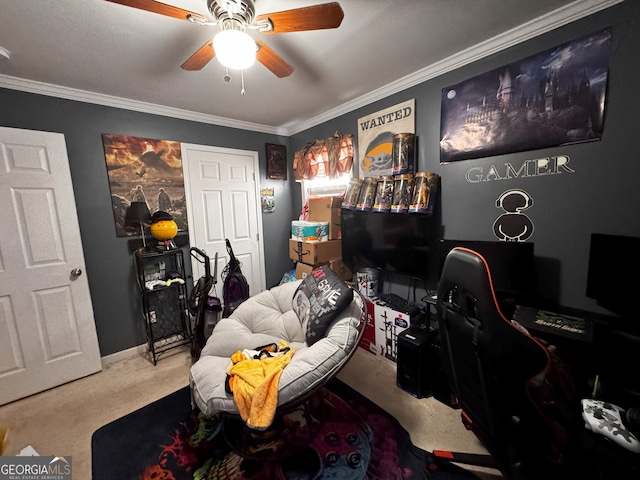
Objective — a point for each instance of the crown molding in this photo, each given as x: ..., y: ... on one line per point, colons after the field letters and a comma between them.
x: 562, y: 16
x: 58, y: 91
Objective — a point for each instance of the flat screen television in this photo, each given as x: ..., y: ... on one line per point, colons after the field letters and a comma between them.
x: 613, y: 276
x: 512, y: 266
x: 393, y: 242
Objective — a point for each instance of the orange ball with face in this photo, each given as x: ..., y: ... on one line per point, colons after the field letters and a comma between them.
x: 164, y: 230
x: 163, y: 227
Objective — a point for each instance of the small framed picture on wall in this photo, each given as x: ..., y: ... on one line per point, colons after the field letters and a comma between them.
x: 276, y: 162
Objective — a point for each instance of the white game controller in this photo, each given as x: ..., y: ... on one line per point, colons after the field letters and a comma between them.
x: 606, y: 419
x: 154, y: 284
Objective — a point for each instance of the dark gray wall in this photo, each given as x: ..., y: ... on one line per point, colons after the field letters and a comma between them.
x: 109, y: 264
x: 600, y: 196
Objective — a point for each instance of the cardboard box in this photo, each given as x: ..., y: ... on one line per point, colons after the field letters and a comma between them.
x: 314, y: 253
x: 388, y: 324
x: 341, y: 269
x: 338, y: 266
x: 302, y: 269
x: 327, y: 209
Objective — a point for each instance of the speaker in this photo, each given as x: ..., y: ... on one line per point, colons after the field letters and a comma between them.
x: 413, y: 363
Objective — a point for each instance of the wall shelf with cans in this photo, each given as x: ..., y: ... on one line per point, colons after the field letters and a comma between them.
x: 403, y: 193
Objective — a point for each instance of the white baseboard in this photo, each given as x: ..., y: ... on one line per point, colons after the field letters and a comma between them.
x: 139, y: 350
x: 124, y: 354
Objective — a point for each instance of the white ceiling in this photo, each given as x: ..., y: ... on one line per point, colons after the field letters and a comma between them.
x: 105, y: 53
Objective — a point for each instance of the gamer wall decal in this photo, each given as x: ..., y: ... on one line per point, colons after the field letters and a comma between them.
x: 513, y: 225
x: 538, y: 167
x: 556, y: 97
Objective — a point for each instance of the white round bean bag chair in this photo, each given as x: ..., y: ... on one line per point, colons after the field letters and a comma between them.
x: 267, y: 318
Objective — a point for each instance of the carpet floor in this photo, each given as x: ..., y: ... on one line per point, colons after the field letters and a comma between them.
x: 352, y: 438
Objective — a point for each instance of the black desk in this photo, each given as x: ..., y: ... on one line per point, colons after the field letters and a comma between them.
x: 595, y: 346
x: 572, y: 334
x: 556, y: 325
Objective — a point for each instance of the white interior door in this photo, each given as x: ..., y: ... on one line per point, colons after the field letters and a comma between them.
x: 47, y: 330
x: 222, y: 203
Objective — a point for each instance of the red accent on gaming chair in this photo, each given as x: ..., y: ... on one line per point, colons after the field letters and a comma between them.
x: 499, y: 374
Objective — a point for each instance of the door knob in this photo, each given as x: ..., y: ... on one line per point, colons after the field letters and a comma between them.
x: 76, y: 272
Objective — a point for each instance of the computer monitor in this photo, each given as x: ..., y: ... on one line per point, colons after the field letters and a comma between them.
x: 613, y: 277
x: 512, y: 266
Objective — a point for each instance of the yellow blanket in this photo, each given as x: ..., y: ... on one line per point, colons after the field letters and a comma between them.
x: 254, y: 383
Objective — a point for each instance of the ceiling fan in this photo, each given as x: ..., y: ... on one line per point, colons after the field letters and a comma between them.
x: 236, y: 16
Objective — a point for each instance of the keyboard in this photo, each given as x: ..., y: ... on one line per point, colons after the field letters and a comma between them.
x: 399, y: 304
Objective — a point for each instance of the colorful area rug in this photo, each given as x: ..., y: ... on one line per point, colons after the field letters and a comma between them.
x: 355, y: 439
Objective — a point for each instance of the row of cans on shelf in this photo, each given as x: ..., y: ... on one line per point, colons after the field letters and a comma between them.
x: 405, y: 193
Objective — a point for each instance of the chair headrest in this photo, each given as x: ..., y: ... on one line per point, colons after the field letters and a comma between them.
x: 466, y: 281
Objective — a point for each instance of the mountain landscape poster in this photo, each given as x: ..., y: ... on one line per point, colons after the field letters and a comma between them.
x: 147, y: 170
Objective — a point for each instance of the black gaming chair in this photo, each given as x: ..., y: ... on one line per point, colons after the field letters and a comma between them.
x: 502, y: 378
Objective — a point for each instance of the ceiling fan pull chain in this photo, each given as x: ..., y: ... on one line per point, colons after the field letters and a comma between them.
x: 242, y: 80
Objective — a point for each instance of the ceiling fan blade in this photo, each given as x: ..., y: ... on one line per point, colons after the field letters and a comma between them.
x: 198, y: 60
x: 317, y: 17
x: 273, y: 61
x: 161, y: 8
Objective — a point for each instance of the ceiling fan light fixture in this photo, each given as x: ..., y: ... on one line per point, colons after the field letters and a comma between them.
x: 234, y: 49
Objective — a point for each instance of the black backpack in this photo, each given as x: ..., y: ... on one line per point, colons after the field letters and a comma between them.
x: 235, y: 288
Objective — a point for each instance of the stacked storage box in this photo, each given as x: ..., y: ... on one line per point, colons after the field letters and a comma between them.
x: 313, y: 253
